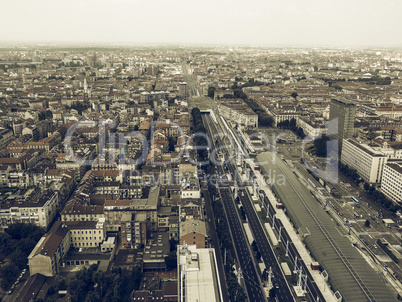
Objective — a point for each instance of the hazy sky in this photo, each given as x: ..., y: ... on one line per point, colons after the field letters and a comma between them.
x: 257, y: 22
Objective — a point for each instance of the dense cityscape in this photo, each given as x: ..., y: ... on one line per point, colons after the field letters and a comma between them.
x: 200, y: 173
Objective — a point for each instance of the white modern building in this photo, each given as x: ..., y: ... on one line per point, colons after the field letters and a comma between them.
x: 198, y: 277
x: 366, y: 160
x: 391, y: 184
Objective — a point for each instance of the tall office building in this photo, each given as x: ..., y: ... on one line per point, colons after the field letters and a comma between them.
x: 342, y: 117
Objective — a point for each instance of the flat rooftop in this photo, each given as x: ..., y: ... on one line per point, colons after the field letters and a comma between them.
x: 198, y: 268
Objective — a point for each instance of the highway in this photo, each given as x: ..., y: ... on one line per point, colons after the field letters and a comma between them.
x: 215, y: 244
x: 282, y: 289
x: 244, y: 256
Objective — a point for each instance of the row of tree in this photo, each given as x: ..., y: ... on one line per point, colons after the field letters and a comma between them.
x: 369, y: 189
x: 16, y: 243
x: 350, y: 173
x: 200, y: 131
x: 374, y: 80
x: 286, y: 124
x: 91, y: 285
x: 79, y: 106
x: 264, y: 120
x: 45, y: 115
x: 380, y: 197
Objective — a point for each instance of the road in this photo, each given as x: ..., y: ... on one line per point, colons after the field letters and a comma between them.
x: 215, y: 244
x: 244, y: 256
x: 282, y: 292
x: 282, y: 289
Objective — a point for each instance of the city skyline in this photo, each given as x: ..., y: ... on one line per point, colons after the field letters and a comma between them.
x: 260, y: 23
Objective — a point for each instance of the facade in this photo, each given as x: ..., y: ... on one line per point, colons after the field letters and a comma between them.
x: 86, y: 233
x: 75, y: 211
x: 140, y: 233
x: 40, y: 211
x: 283, y: 115
x: 197, y: 273
x: 239, y: 112
x: 391, y: 184
x: 342, y: 111
x: 193, y: 231
x: 369, y: 163
x: 312, y: 130
x: 50, y: 253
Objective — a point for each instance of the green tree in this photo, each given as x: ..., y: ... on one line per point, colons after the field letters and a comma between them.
x: 6, y: 245
x: 294, y: 95
x: 367, y: 223
x: 8, y: 274
x: 171, y: 260
x: 60, y: 282
x: 19, y: 258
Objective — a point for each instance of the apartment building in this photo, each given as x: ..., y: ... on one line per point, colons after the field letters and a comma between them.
x: 50, y: 253
x: 193, y: 231
x: 76, y: 211
x: 367, y: 161
x: 86, y: 233
x: 39, y: 211
x: 391, y: 183
x: 280, y: 115
x: 311, y: 129
x: 236, y: 110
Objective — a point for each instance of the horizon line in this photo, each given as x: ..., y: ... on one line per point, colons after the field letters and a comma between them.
x: 188, y: 44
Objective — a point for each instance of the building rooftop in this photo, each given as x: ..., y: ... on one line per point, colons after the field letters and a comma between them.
x: 192, y: 225
x: 197, y: 266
